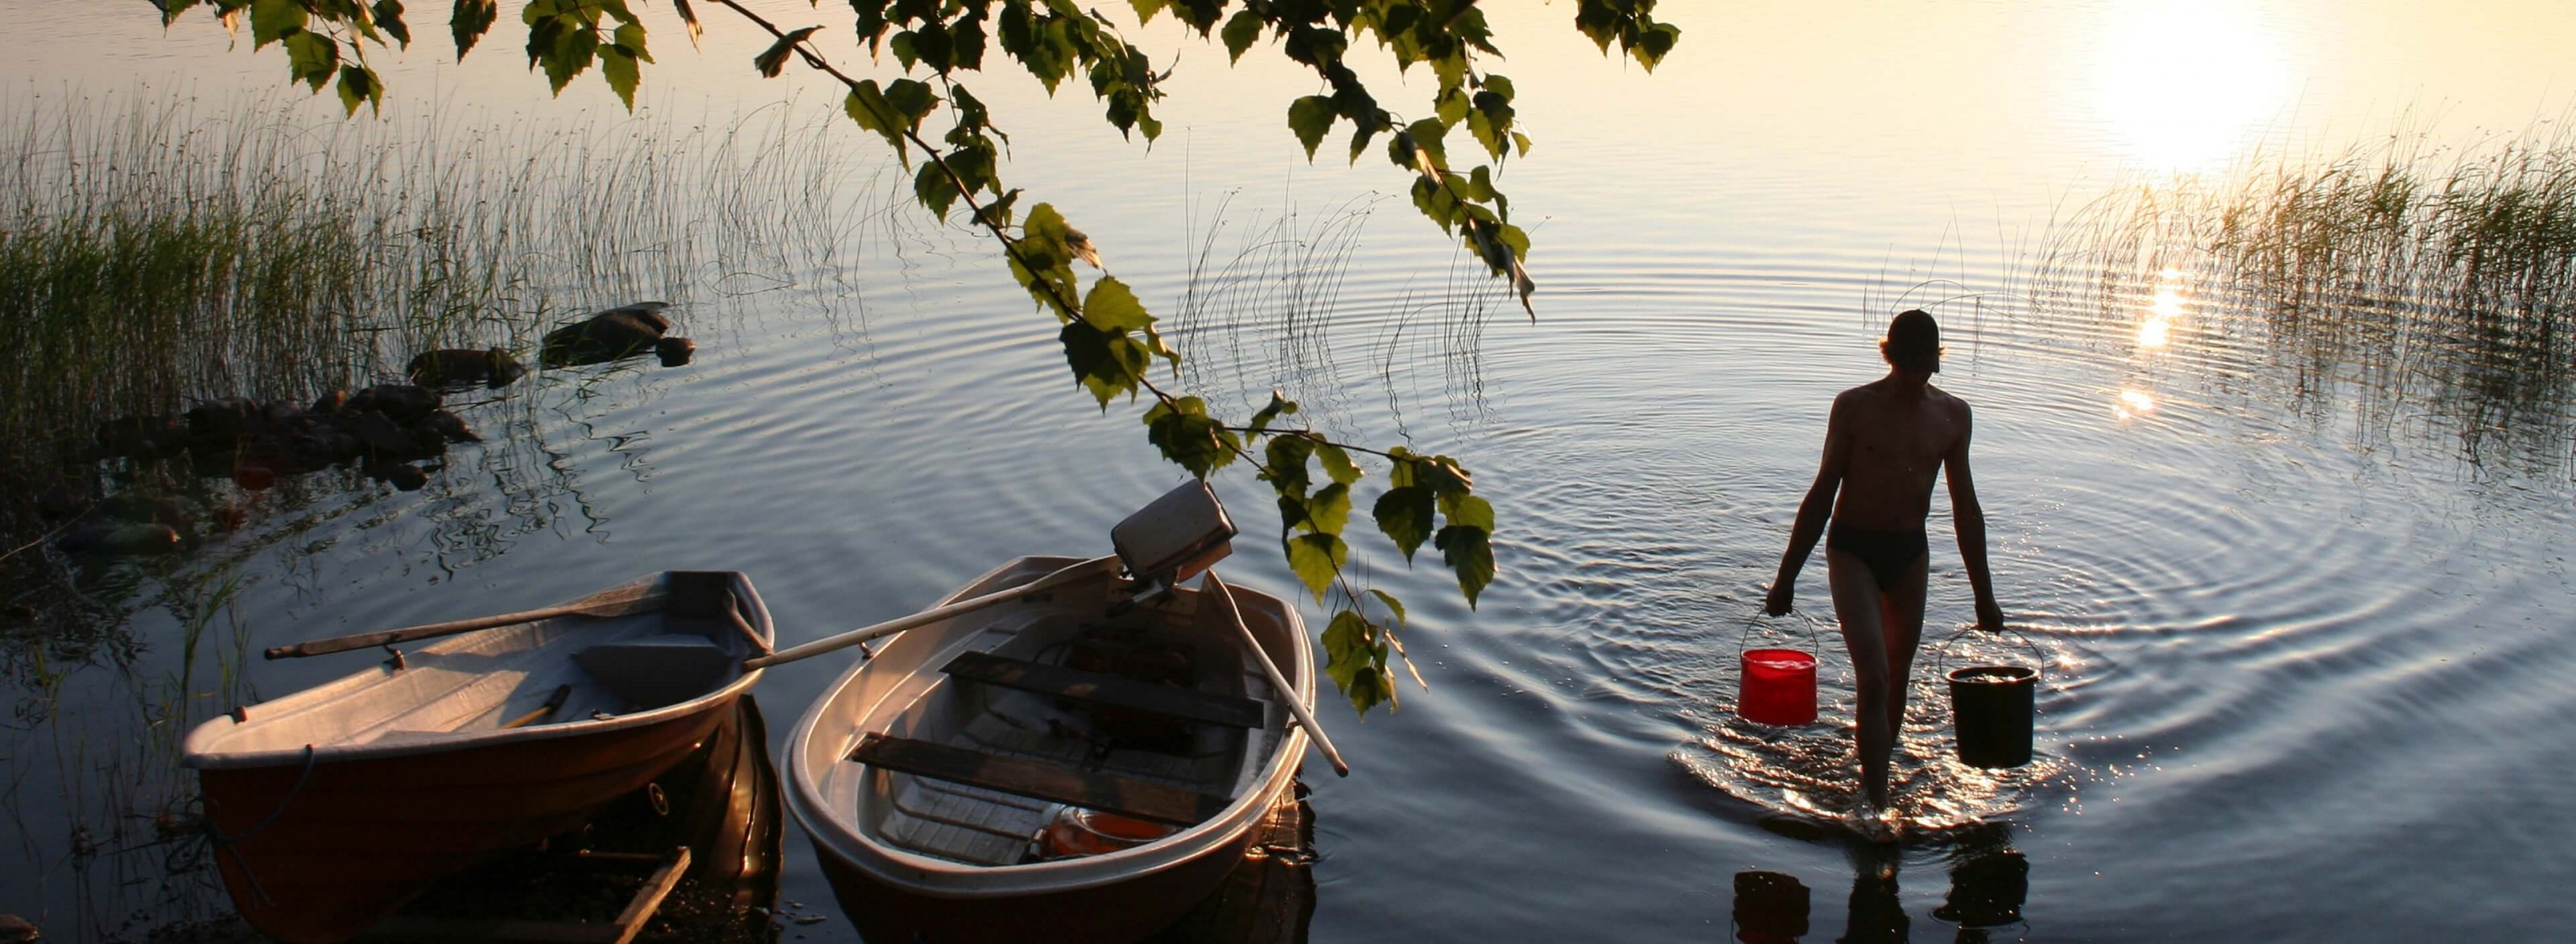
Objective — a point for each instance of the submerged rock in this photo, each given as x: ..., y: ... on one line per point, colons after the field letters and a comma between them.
x: 606, y: 336
x: 119, y: 539
x: 405, y: 403
x: 459, y: 369
x: 142, y: 437
x: 450, y: 427
x: 219, y: 422
x: 403, y: 476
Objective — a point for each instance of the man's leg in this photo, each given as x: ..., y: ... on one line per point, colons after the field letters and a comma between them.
x: 1856, y: 607
x: 1901, y: 618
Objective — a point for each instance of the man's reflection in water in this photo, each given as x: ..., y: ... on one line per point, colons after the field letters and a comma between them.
x: 1877, y: 916
x: 1989, y: 882
x: 1770, y: 908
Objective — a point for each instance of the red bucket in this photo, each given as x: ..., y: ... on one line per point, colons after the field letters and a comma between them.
x: 1779, y: 687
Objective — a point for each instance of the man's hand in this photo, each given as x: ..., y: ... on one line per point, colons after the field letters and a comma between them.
x: 1785, y: 591
x: 1990, y: 617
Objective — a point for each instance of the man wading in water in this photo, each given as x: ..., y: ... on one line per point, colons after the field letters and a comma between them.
x: 1884, y: 443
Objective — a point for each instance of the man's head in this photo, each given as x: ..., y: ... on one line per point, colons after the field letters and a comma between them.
x: 1913, y: 342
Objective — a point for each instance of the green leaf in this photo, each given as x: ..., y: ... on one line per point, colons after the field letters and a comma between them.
x: 1285, y: 459
x: 1310, y: 117
x: 1279, y: 406
x: 913, y: 100
x: 1469, y: 511
x: 1356, y: 659
x: 1426, y: 136
x: 1189, y: 437
x: 1112, y: 307
x: 1239, y: 34
x: 388, y: 15
x: 1392, y: 604
x: 1337, y: 463
x: 1522, y: 142
x: 1106, y: 363
x: 1329, y: 509
x: 274, y: 20
x: 773, y: 59
x: 932, y: 186
x: 1316, y: 558
x: 867, y: 106
x: 471, y: 19
x: 312, y: 57
x: 1469, y: 552
x: 360, y: 85
x: 1404, y: 516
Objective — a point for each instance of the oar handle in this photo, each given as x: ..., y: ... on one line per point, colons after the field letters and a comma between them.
x: 639, y: 597
x: 1279, y: 682
x: 932, y: 615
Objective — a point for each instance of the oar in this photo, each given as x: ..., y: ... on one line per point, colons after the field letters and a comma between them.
x: 618, y: 602
x: 933, y: 615
x: 1278, y: 682
x: 553, y: 702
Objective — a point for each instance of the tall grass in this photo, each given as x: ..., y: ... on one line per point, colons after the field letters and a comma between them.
x: 2414, y: 275
x: 152, y: 252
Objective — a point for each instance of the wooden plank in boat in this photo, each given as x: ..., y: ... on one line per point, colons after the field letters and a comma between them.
x: 1127, y: 796
x: 1105, y: 689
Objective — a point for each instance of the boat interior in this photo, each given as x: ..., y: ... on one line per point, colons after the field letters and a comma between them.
x: 552, y: 671
x: 1041, y: 720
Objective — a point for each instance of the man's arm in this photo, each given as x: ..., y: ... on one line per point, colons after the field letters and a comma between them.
x: 1970, y: 518
x: 1812, y: 514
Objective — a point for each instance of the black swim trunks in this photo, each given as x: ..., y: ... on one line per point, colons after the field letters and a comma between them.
x: 1888, y: 554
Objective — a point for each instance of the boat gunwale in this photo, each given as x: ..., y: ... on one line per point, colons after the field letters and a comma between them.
x: 195, y: 755
x: 943, y: 878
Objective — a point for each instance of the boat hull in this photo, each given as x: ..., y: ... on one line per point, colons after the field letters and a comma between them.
x: 1117, y: 913
x: 350, y: 841
x: 894, y: 893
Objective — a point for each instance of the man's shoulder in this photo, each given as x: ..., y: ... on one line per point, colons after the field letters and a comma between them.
x: 1949, y: 402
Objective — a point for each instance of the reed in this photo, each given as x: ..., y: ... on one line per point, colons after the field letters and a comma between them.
x: 2409, y: 274
x: 156, y: 251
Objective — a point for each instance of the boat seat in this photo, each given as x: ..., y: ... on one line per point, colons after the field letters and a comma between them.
x: 658, y: 670
x: 1042, y: 780
x: 1102, y: 688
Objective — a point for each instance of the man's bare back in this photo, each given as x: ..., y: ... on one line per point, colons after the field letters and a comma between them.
x: 1886, y: 442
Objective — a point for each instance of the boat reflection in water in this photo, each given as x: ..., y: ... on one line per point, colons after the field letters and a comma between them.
x: 721, y: 805
x: 1989, y: 883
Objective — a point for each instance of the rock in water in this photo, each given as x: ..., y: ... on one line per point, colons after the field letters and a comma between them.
x: 403, y: 476
x: 455, y: 369
x: 675, y: 352
x: 119, y: 539
x: 450, y: 426
x: 606, y: 336
x: 331, y: 402
x: 405, y: 403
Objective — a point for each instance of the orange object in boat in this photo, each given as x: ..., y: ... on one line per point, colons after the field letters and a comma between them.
x: 1081, y: 832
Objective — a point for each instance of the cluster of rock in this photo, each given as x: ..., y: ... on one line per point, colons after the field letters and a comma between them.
x: 386, y: 430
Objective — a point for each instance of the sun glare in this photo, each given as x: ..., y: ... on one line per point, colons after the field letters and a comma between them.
x: 2186, y: 82
x: 2134, y: 403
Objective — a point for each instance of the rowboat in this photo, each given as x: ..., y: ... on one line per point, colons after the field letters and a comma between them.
x: 1051, y: 768
x: 330, y: 807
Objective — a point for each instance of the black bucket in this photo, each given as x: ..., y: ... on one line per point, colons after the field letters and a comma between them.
x: 1991, y: 708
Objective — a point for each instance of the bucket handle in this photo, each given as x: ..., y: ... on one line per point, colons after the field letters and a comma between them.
x: 1941, y: 653
x: 1815, y: 636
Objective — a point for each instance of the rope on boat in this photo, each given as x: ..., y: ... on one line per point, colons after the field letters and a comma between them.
x: 223, y: 843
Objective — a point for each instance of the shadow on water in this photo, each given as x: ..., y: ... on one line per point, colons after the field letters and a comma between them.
x: 1989, y: 887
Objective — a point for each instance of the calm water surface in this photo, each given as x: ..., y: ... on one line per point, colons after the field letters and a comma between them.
x: 2304, y: 679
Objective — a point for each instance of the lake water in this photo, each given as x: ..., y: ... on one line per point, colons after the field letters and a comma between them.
x: 2303, y: 627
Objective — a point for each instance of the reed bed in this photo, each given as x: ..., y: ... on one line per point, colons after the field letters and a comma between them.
x: 2398, y: 272
x: 152, y: 253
